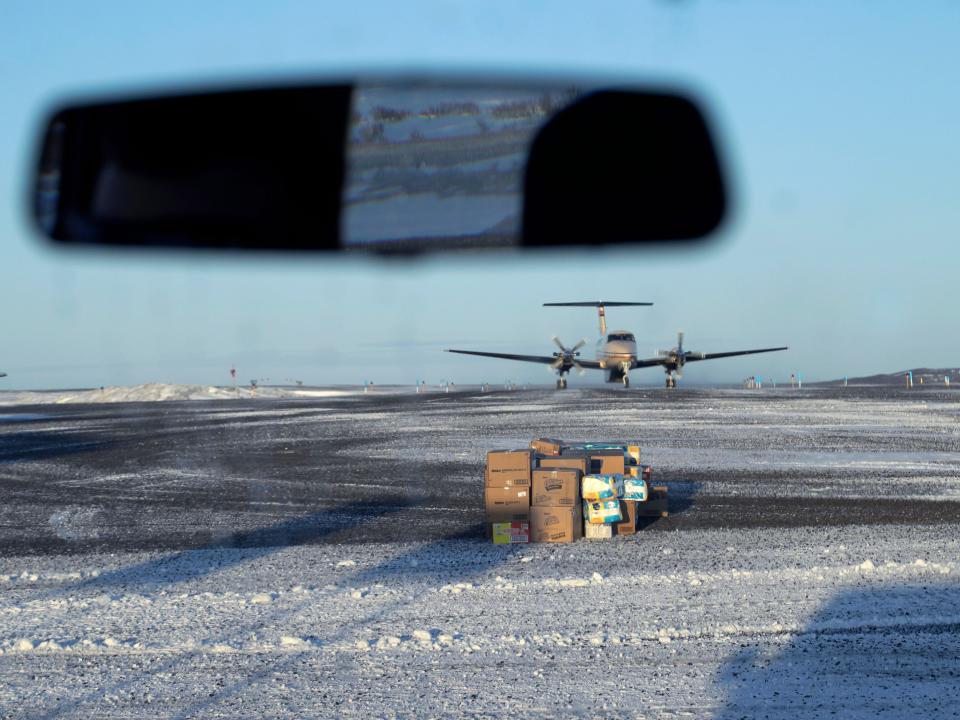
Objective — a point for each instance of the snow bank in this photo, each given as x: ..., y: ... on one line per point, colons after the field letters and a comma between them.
x: 157, y: 392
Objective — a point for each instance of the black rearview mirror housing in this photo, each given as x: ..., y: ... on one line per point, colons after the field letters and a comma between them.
x: 408, y: 166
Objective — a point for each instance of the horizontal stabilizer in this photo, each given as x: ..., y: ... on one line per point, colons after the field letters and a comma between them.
x: 597, y: 303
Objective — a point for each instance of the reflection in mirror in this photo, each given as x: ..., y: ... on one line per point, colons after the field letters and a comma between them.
x: 435, y: 165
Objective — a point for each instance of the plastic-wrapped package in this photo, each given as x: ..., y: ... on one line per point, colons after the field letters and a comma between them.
x: 590, y: 446
x: 601, y: 487
x: 635, y: 488
x: 600, y: 512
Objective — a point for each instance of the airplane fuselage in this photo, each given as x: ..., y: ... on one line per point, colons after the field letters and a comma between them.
x: 615, y: 352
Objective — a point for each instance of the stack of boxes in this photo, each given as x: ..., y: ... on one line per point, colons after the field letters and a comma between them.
x: 555, y: 512
x: 506, y: 495
x: 557, y: 492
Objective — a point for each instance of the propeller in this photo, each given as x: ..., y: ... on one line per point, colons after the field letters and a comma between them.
x: 678, y: 356
x: 567, y: 357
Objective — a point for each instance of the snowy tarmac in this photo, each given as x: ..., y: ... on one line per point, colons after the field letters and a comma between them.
x: 322, y: 556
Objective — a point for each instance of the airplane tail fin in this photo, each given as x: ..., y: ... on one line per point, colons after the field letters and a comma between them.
x: 600, y: 305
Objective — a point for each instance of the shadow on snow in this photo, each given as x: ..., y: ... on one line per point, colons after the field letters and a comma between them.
x: 885, y: 651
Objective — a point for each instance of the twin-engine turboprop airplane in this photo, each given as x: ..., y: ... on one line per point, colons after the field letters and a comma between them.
x: 616, y: 352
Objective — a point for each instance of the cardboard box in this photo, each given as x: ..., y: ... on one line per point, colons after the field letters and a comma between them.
x: 580, y: 462
x: 556, y: 524
x: 546, y: 446
x: 510, y: 504
x: 607, y: 462
x: 555, y: 487
x: 657, y: 505
x: 510, y: 533
x: 508, y: 468
x: 628, y: 525
x: 598, y: 532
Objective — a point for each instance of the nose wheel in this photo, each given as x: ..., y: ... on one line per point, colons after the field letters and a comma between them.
x: 561, y: 383
x: 626, y: 381
x: 671, y: 382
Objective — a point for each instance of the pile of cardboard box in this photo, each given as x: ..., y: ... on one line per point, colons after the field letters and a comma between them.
x: 558, y: 492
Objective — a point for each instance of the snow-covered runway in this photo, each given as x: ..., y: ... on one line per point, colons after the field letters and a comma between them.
x: 322, y: 558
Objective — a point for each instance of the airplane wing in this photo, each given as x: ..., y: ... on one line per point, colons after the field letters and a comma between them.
x: 649, y: 362
x: 715, y: 356
x: 694, y: 357
x: 542, y: 359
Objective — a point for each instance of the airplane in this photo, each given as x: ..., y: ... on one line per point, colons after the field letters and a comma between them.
x: 616, y: 352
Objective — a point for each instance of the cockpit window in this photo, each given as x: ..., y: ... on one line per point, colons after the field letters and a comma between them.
x: 613, y: 337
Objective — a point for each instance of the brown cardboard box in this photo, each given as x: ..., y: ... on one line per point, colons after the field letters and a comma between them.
x: 546, y: 446
x: 579, y: 462
x: 556, y: 487
x: 556, y: 524
x: 508, y: 468
x: 627, y: 526
x: 597, y: 532
x: 607, y: 462
x: 511, y: 504
x: 657, y: 505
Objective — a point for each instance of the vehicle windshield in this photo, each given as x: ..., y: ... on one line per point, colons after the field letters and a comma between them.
x: 258, y: 485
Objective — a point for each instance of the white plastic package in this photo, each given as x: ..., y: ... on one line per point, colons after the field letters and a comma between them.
x: 601, y: 487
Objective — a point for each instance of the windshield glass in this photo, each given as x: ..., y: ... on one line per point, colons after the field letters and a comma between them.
x: 259, y: 485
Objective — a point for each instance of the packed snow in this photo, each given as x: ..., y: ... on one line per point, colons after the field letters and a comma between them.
x: 784, y: 584
x: 645, y: 626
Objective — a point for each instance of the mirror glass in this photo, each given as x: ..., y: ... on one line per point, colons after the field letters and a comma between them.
x: 434, y: 165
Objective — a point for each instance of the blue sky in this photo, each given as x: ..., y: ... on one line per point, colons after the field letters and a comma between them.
x: 838, y: 121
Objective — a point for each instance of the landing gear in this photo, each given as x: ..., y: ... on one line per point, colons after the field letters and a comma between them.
x: 671, y: 382
x: 626, y: 381
x: 561, y: 383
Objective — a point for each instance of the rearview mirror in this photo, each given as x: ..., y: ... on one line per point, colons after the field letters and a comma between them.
x: 381, y: 165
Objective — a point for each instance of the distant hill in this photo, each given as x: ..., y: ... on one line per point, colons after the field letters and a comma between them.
x: 929, y: 376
